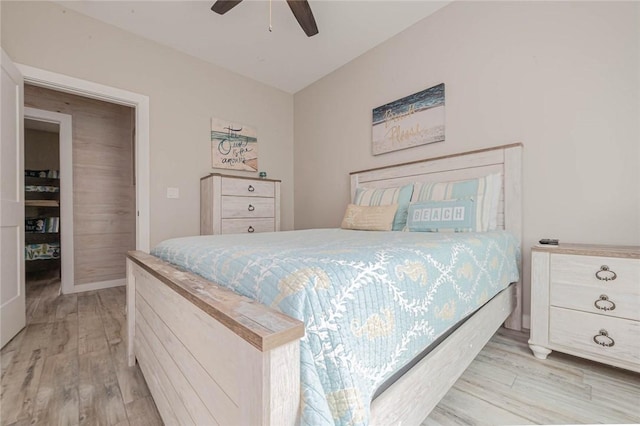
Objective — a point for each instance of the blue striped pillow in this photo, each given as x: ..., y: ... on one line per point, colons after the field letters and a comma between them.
x: 400, y: 195
x: 484, y: 190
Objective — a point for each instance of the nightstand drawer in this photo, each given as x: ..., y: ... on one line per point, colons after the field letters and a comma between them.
x: 576, y: 331
x: 610, y: 302
x: 247, y: 187
x: 603, y: 273
x: 245, y: 207
x: 243, y: 226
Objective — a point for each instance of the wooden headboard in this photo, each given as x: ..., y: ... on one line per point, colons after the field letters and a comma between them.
x: 505, y: 159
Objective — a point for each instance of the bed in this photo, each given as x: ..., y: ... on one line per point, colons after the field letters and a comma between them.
x: 213, y: 356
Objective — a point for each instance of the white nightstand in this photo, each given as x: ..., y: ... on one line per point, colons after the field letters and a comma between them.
x: 585, y: 301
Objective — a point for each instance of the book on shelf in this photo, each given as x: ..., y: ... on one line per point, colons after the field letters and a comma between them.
x: 53, y: 174
x: 42, y: 251
x: 42, y: 224
x: 41, y: 188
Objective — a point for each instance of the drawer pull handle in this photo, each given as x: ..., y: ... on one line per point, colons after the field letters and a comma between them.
x: 604, y: 304
x: 603, y: 339
x: 251, y: 208
x: 606, y: 277
x: 251, y: 188
x: 250, y: 230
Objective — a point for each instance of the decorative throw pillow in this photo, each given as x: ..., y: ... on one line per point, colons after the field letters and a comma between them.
x: 442, y: 216
x: 369, y: 218
x: 484, y: 190
x: 496, y: 185
x: 400, y: 195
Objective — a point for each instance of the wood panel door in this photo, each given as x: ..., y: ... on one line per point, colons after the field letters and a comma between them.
x: 12, y: 287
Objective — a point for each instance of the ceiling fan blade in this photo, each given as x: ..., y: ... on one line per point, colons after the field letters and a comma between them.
x: 302, y: 11
x: 223, y: 6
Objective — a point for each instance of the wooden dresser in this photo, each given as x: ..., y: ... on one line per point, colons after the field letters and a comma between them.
x: 233, y: 205
x: 585, y: 301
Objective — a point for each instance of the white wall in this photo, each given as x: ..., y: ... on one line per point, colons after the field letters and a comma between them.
x: 184, y: 94
x: 563, y: 78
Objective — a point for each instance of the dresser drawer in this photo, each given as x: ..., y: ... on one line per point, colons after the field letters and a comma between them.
x: 623, y: 274
x: 242, y: 226
x: 247, y: 187
x: 233, y: 204
x: 617, y: 303
x: 576, y: 331
x: 246, y: 207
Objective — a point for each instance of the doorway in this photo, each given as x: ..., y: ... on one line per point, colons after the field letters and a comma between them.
x: 41, y: 201
x: 48, y: 147
x: 140, y: 103
x: 103, y: 209
x: 12, y: 248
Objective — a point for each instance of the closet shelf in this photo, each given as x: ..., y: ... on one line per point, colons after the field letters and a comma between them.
x: 32, y: 180
x: 42, y: 213
x: 42, y: 203
x: 42, y: 264
x: 41, y: 237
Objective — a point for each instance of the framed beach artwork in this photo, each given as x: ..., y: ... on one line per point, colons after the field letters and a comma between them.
x: 414, y: 120
x: 233, y: 146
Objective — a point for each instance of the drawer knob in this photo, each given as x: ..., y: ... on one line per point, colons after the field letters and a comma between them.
x: 250, y: 229
x: 607, y: 274
x: 604, y: 304
x: 603, y: 339
x: 251, y: 208
x: 251, y: 188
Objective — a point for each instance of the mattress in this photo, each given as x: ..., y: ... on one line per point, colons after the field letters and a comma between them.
x: 370, y: 301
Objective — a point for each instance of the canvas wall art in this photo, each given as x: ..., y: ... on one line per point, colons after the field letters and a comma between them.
x: 233, y: 146
x: 414, y: 120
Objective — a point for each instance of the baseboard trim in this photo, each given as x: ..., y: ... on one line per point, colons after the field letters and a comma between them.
x: 99, y: 285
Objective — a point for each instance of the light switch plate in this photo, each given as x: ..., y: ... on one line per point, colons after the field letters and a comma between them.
x: 173, y: 193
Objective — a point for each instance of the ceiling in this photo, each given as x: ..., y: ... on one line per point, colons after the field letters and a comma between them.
x: 240, y: 40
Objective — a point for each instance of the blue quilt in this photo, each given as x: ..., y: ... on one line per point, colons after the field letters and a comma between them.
x: 370, y: 301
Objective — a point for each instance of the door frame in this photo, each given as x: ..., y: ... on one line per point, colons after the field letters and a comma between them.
x: 65, y: 137
x: 140, y: 103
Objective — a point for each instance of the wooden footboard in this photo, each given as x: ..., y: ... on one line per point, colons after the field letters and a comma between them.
x: 209, y: 355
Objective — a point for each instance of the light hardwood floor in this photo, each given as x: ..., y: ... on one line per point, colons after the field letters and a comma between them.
x: 506, y: 385
x: 68, y: 366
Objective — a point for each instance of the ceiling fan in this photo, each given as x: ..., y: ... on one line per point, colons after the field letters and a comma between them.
x: 300, y: 8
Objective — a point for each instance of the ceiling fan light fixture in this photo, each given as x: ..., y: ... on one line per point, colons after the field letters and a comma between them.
x: 300, y: 9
